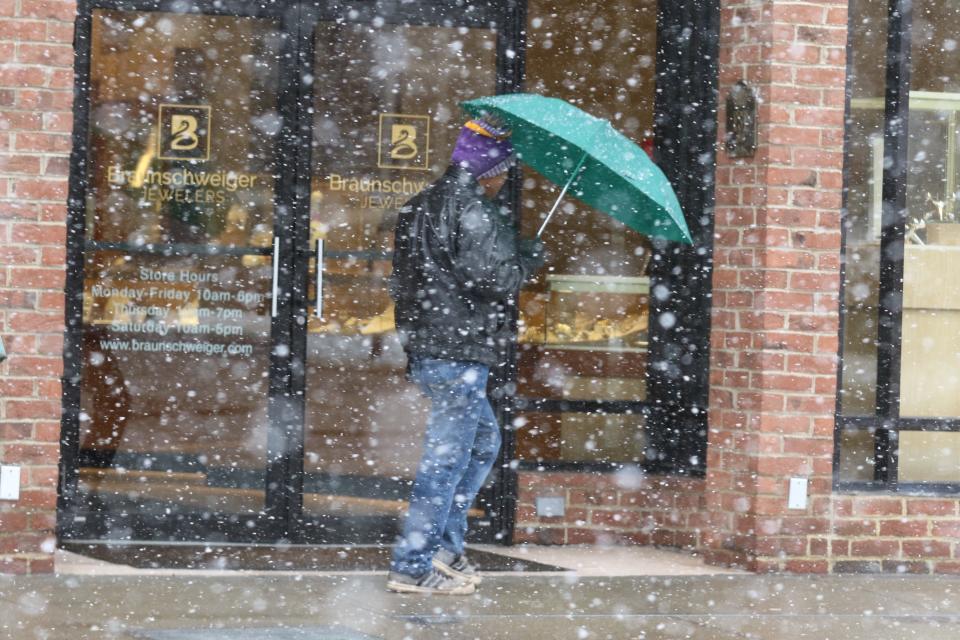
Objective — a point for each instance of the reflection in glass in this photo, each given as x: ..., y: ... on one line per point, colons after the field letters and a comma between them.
x: 386, y: 119
x: 583, y: 321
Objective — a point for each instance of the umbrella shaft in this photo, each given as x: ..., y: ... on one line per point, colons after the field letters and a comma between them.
x: 556, y: 204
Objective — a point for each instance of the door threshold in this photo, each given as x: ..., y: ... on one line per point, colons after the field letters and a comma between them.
x: 191, y: 543
x: 304, y: 558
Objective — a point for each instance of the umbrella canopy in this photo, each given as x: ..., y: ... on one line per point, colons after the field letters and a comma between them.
x: 597, y: 163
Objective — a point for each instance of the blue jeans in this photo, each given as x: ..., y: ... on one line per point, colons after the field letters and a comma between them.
x: 459, y: 449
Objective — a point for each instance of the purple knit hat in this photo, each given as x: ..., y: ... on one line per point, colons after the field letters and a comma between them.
x: 483, y: 148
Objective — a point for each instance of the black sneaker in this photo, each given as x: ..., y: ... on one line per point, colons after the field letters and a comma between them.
x: 431, y: 583
x: 456, y: 566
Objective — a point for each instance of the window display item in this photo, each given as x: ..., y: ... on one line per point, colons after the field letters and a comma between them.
x: 607, y: 312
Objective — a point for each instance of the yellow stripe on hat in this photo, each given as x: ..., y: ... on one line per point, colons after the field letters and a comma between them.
x: 476, y: 127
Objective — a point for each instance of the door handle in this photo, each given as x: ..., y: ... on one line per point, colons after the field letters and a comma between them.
x: 276, y: 277
x: 319, y: 305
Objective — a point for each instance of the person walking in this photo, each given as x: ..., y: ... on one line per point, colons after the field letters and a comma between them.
x: 458, y: 266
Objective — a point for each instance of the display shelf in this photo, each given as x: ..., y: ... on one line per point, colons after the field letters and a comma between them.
x: 603, y: 313
x: 562, y: 282
x: 639, y: 348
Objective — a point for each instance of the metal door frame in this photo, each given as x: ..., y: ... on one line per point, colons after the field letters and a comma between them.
x: 74, y: 520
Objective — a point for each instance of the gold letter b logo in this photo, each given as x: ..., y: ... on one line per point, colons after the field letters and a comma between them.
x: 402, y: 145
x: 183, y: 131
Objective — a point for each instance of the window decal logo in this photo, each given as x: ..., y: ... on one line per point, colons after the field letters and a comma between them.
x: 404, y: 142
x: 184, y: 132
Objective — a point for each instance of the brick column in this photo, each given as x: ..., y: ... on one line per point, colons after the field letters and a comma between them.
x: 36, y: 95
x: 774, y: 339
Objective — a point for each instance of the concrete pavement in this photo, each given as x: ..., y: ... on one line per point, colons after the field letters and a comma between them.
x: 241, y: 606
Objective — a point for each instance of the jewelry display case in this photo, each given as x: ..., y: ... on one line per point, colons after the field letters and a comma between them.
x: 583, y: 338
x: 588, y: 312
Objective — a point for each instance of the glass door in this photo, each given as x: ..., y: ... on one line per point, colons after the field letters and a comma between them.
x: 176, y: 344
x: 233, y: 372
x: 384, y: 120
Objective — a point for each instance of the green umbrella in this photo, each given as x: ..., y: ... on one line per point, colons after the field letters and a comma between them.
x: 592, y: 159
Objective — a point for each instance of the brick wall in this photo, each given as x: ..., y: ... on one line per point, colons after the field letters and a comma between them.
x: 776, y: 282
x: 609, y: 509
x: 895, y: 534
x: 36, y: 94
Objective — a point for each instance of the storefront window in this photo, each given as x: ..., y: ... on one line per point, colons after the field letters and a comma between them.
x: 580, y: 436
x: 908, y: 442
x: 930, y: 360
x: 857, y: 455
x: 583, y: 320
x: 232, y: 363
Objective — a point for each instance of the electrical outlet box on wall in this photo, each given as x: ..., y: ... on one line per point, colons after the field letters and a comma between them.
x: 9, y: 483
x: 797, y: 496
x: 551, y: 506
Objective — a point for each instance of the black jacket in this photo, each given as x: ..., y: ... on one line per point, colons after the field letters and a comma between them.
x: 457, y: 269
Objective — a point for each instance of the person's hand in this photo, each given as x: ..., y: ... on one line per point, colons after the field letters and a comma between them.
x: 532, y: 253
x: 531, y: 246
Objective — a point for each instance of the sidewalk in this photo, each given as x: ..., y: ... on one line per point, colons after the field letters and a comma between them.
x: 586, y: 560
x: 190, y: 605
